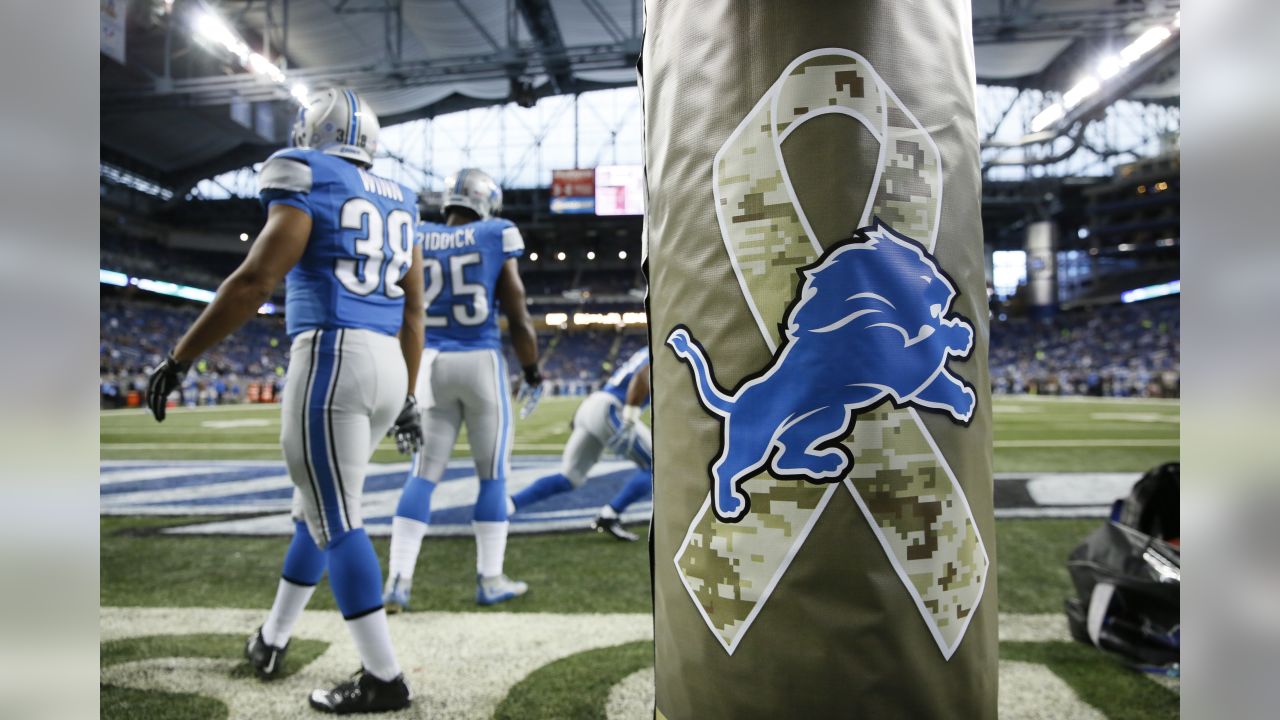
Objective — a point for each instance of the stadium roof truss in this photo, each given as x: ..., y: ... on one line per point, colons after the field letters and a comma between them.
x: 208, y: 87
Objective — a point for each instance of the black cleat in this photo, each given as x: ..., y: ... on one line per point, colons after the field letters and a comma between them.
x: 613, y: 526
x: 363, y: 693
x: 267, y: 661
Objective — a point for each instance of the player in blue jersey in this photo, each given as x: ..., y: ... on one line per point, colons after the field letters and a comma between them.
x: 471, y: 274
x: 343, y: 240
x: 609, y: 417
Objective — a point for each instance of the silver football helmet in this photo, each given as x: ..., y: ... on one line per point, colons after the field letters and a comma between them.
x: 472, y: 189
x: 339, y: 122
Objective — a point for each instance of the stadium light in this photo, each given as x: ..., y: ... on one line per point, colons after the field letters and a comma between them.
x: 128, y: 179
x: 1146, y: 42
x: 591, y: 254
x: 1107, y: 68
x: 615, y: 319
x: 111, y: 277
x: 557, y: 318
x: 533, y: 257
x: 211, y: 28
x: 622, y: 254
x: 1082, y: 90
x: 560, y: 256
x: 164, y: 287
x: 244, y: 237
x: 1047, y: 117
x: 1151, y: 291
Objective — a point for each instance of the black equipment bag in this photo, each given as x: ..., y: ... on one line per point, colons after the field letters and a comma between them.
x: 1127, y: 575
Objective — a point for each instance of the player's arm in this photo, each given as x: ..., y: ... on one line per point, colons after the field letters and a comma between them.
x: 638, y: 390
x: 413, y: 326
x: 278, y: 248
x: 524, y: 340
x: 407, y: 428
x: 624, y: 437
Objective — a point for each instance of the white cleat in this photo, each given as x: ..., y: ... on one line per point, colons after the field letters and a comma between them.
x: 396, y: 597
x: 500, y: 588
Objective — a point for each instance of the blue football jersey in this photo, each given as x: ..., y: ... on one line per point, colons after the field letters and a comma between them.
x: 462, y: 264
x: 361, y: 244
x: 620, y: 380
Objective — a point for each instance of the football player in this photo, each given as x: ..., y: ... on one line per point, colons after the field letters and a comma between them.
x: 471, y: 274
x: 609, y: 417
x: 343, y: 240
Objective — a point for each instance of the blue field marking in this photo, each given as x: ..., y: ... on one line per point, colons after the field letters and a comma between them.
x: 261, y: 492
x: 182, y: 480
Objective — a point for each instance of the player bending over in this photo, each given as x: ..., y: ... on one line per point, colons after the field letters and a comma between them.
x: 343, y: 240
x: 471, y: 272
x: 609, y: 417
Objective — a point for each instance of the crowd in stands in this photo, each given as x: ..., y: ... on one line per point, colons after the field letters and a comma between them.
x: 1114, y: 350
x: 135, y: 335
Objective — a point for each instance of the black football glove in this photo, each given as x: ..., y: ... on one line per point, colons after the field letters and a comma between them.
x: 530, y: 390
x: 164, y: 380
x: 408, y: 427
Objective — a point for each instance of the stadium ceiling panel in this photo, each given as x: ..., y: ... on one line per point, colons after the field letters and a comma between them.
x: 190, y: 102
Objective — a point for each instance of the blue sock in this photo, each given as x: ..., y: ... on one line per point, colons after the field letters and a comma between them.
x: 304, y: 561
x: 491, y: 504
x: 638, y: 486
x: 354, y: 574
x: 415, y: 499
x: 541, y: 489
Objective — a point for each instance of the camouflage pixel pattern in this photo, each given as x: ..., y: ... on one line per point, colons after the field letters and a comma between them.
x: 903, y: 486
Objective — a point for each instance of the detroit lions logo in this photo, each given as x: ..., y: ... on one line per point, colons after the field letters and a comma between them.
x: 871, y: 321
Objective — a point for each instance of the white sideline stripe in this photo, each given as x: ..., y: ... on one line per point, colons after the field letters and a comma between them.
x: 1079, y: 488
x: 235, y: 487
x: 1089, y: 511
x: 1094, y: 442
x: 1050, y: 399
x: 460, y: 447
x: 1138, y: 417
x: 121, y: 464
x: 195, y: 431
x: 189, y: 446
x: 157, y: 473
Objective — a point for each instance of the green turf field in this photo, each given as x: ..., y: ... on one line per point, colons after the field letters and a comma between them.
x: 175, y: 609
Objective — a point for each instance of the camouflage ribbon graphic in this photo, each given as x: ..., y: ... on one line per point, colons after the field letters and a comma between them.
x: 900, y: 481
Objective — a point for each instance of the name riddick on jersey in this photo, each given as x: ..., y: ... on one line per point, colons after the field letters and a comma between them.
x: 460, y: 238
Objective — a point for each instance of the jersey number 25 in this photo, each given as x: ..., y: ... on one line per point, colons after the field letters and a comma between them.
x: 466, y: 315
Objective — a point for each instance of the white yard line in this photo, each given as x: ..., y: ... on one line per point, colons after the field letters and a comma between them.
x: 1050, y: 399
x: 1088, y: 442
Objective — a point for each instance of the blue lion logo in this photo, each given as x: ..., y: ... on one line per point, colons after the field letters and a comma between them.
x: 870, y: 322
